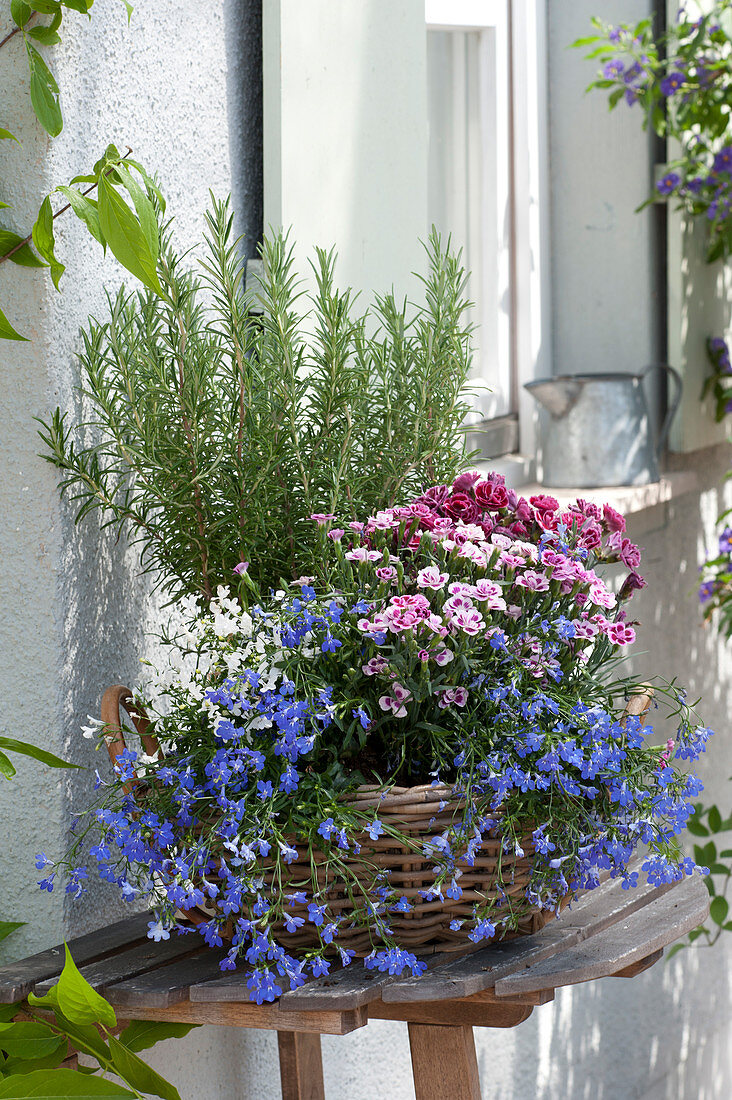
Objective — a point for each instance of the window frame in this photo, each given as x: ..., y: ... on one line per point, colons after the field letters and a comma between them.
x: 528, y: 173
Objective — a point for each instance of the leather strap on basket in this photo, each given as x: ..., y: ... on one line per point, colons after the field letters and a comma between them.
x: 114, y: 699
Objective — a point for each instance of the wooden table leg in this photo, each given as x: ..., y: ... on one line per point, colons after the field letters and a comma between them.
x: 301, y: 1066
x: 443, y: 1062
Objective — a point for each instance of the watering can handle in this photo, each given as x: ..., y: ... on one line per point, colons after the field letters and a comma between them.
x: 673, y: 407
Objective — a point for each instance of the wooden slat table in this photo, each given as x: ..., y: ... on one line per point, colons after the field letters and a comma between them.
x: 608, y: 932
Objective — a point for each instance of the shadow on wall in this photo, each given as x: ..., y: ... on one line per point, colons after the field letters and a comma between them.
x: 107, y: 609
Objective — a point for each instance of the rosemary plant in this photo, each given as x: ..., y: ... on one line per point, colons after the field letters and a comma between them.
x: 211, y: 433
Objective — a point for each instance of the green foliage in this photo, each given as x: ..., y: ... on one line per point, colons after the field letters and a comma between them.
x: 130, y: 229
x: 10, y: 744
x: 708, y: 825
x: 32, y: 1050
x: 212, y: 432
x: 680, y: 82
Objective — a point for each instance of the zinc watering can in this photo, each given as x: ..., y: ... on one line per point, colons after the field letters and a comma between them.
x: 595, y: 429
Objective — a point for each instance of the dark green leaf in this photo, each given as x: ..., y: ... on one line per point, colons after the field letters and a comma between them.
x: 29, y: 1040
x: 720, y: 869
x: 29, y: 1065
x: 675, y: 950
x: 726, y: 853
x: 142, y: 1034
x: 696, y: 828
x: 125, y: 237
x: 6, y: 766
x: 7, y: 927
x: 20, y: 12
x: 44, y: 93
x: 714, y: 818
x: 7, y: 1012
x: 44, y: 241
x: 78, y: 1001
x: 137, y: 1073
x: 46, y: 7
x: 42, y: 755
x: 144, y: 209
x: 60, y: 1084
x: 719, y: 909
x: 697, y: 932
x: 86, y: 210
x: 47, y: 36
x: 25, y: 256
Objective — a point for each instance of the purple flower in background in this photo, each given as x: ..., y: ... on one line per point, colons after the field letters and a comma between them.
x: 725, y: 541
x: 706, y: 591
x: 672, y: 83
x: 613, y: 69
x: 669, y: 183
x: 723, y: 159
x: 241, y: 568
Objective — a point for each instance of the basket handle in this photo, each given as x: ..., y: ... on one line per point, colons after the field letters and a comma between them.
x: 639, y: 704
x: 116, y: 697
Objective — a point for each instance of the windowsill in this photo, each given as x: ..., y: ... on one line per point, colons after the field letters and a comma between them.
x: 626, y: 499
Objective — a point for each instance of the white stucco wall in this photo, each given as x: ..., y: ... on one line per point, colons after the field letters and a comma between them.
x: 173, y: 87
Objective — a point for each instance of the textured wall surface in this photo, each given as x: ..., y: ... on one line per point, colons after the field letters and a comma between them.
x: 180, y: 88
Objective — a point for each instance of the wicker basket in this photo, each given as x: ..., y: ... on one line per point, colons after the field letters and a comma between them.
x: 419, y: 812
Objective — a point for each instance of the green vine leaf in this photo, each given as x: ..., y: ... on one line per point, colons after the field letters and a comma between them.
x: 25, y: 256
x: 47, y: 36
x: 44, y: 241
x: 5, y: 135
x: 87, y: 210
x: 141, y: 1034
x: 78, y: 5
x: 7, y: 332
x: 137, y: 1073
x: 45, y: 7
x: 29, y: 1040
x: 44, y: 93
x: 20, y: 12
x: 7, y: 927
x: 48, y: 758
x: 125, y: 236
x: 60, y: 1084
x: 78, y: 1002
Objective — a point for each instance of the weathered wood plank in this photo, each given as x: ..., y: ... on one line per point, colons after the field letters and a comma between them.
x: 443, y: 1062
x: 617, y: 947
x: 638, y: 967
x: 166, y: 985
x: 349, y: 987
x: 468, y: 974
x: 266, y: 1016
x: 18, y: 979
x: 301, y: 1066
x: 449, y: 1013
x: 145, y: 956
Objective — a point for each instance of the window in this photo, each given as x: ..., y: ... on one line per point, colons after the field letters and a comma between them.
x: 484, y: 89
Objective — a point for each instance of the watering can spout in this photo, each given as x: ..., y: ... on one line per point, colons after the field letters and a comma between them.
x: 557, y: 395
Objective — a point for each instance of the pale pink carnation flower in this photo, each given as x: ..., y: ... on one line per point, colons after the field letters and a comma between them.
x: 431, y: 577
x: 336, y: 534
x: 444, y: 656
x: 396, y: 701
x: 535, y: 582
x: 375, y: 666
x: 469, y: 621
x: 322, y: 518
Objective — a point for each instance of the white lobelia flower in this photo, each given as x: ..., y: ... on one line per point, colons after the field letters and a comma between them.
x: 95, y: 727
